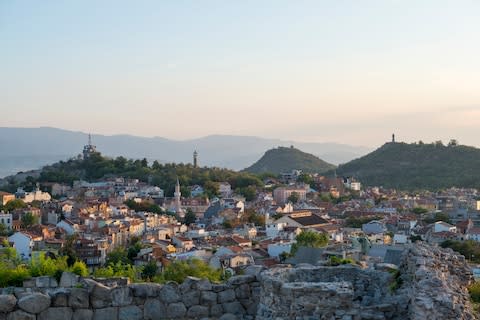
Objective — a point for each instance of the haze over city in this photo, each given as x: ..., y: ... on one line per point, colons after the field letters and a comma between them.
x: 317, y: 71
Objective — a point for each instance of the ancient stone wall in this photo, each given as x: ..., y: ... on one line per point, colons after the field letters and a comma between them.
x: 432, y: 285
x: 86, y: 299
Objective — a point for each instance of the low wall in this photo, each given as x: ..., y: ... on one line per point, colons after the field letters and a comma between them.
x: 87, y: 299
x: 432, y: 285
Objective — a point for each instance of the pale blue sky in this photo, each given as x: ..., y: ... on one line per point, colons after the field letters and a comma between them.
x: 343, y: 71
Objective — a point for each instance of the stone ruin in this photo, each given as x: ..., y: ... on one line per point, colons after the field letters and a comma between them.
x: 432, y: 285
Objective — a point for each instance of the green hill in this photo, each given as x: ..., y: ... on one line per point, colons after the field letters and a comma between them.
x: 417, y: 166
x: 284, y: 159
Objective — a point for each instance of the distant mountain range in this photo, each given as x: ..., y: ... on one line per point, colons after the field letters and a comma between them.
x: 416, y: 166
x: 286, y: 159
x: 24, y: 149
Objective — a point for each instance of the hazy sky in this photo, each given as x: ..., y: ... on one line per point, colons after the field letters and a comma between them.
x: 342, y: 71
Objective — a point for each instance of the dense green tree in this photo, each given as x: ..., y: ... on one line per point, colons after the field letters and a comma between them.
x: 149, y: 270
x: 14, y: 204
x: 294, y: 197
x: 118, y: 255
x: 309, y: 238
x: 249, y: 192
x: 28, y: 220
x: 190, y: 217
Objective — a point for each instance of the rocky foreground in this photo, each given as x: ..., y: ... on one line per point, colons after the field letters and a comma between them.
x: 432, y: 284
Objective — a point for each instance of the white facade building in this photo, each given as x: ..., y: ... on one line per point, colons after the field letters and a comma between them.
x: 23, y: 243
x: 6, y: 219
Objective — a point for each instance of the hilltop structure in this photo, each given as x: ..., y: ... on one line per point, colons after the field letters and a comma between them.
x: 89, y: 148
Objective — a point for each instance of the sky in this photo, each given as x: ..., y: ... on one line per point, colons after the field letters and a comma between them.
x: 352, y: 72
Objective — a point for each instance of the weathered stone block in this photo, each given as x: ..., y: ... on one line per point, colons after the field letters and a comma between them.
x: 59, y: 299
x: 216, y: 310
x: 20, y: 315
x: 191, y: 298
x: 176, y: 310
x: 105, y: 314
x: 34, y: 303
x: 243, y: 291
x: 101, y: 296
x: 197, y: 312
x: 68, y: 280
x: 238, y: 280
x: 30, y: 283
x: 169, y: 293
x: 62, y: 313
x: 79, y: 298
x: 219, y: 287
x: 130, y: 313
x: 226, y: 296
x: 46, y: 282
x: 121, y: 296
x: 208, y: 298
x: 234, y: 308
x: 203, y: 285
x: 153, y: 309
x: 7, y: 302
x: 144, y: 290
x: 82, y: 314
x: 228, y: 316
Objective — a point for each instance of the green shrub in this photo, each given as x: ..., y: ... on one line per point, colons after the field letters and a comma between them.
x: 13, y: 276
x: 79, y: 268
x: 42, y: 266
x: 178, y: 271
x: 474, y: 291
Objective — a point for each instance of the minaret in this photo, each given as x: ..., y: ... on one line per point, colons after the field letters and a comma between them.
x: 178, y: 203
x: 195, y: 159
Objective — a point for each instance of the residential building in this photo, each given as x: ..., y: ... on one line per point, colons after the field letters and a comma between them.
x: 281, y: 194
x: 23, y: 243
x: 5, y: 197
x: 6, y: 220
x: 441, y: 226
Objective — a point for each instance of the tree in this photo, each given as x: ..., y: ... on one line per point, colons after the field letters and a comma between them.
x: 212, y: 189
x: 28, y: 220
x: 310, y: 239
x: 118, y: 255
x: 14, y: 204
x: 453, y: 143
x: 149, y: 270
x: 294, y: 197
x: 248, y: 192
x: 190, y: 217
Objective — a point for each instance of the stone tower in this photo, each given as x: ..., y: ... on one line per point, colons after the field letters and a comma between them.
x: 195, y: 159
x: 393, y: 137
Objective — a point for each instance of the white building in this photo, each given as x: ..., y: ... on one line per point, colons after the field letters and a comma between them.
x: 6, y: 219
x: 23, y: 243
x: 273, y: 229
x: 225, y: 189
x: 473, y: 234
x: 69, y: 227
x: 36, y: 195
x: 441, y: 226
x: 276, y: 249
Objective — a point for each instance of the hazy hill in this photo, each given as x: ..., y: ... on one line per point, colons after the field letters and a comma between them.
x: 413, y: 166
x: 30, y: 148
x: 284, y: 159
